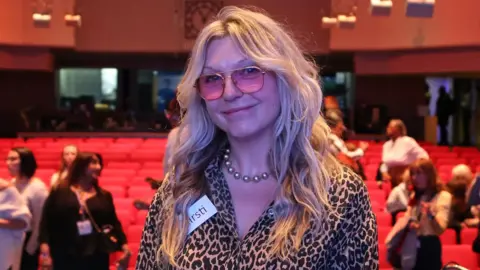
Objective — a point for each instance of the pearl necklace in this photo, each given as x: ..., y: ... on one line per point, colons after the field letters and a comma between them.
x: 237, y: 175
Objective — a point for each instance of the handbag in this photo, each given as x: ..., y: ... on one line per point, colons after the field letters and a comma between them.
x: 401, y: 245
x: 107, y: 232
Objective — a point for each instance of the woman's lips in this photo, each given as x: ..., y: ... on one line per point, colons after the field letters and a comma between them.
x: 236, y: 110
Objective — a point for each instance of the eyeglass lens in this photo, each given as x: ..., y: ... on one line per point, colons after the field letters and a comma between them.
x: 248, y: 80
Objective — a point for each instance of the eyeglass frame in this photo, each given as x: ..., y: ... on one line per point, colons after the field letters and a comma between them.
x: 224, y: 77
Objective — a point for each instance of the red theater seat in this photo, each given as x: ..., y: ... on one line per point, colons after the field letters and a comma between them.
x: 450, y: 161
x: 382, y: 253
x: 134, y: 247
x: 4, y: 173
x: 448, y: 237
x: 117, y: 191
x: 99, y: 140
x: 129, y: 141
x: 152, y: 165
x: 118, y: 172
x: 377, y: 196
x: 95, y: 148
x: 436, y: 149
x: 57, y: 146
x: 127, y: 147
x: 372, y: 185
x: 32, y: 145
x: 437, y: 155
x: 141, y: 192
x: 155, y: 173
x: 468, y: 235
x: 134, y: 233
x: 382, y: 234
x: 147, y: 155
x: 377, y: 207
x: 48, y: 164
x: 124, y: 204
x: 124, y: 165
x: 49, y: 155
x: 110, y: 155
x: 113, y: 181
x: 461, y: 254
x: 384, y: 219
x: 141, y: 217
x: 125, y: 218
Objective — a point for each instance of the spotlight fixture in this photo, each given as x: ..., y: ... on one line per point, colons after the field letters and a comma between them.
x: 420, y: 8
x: 41, y: 19
x: 329, y: 22
x: 380, y: 7
x: 346, y: 21
x: 73, y: 20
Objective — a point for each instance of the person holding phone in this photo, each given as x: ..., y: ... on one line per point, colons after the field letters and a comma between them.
x: 428, y: 211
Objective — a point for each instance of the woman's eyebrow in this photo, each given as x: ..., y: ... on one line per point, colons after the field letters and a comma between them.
x: 239, y: 64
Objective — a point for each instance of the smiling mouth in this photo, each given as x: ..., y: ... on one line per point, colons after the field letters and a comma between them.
x: 232, y: 111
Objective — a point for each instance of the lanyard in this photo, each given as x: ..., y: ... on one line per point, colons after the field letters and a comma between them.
x: 81, y: 201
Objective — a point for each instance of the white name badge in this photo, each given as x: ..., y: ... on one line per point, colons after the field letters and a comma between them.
x: 199, y: 212
x: 84, y: 227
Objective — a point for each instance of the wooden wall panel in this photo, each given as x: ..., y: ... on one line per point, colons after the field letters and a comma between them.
x: 17, y: 27
x: 418, y: 62
x: 454, y: 24
x: 11, y: 22
x: 159, y: 26
x: 57, y: 34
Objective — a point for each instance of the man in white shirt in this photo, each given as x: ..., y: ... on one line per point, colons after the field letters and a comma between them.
x: 399, y: 152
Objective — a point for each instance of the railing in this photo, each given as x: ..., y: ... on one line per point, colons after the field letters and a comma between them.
x: 26, y: 135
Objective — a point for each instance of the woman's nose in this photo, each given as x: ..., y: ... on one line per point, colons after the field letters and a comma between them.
x: 230, y: 91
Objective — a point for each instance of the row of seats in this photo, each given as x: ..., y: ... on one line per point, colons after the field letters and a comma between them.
x: 461, y: 254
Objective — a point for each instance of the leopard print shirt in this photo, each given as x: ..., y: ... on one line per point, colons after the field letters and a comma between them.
x: 348, y: 240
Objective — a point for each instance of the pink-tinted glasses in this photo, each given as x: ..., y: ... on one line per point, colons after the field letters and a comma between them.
x: 248, y: 80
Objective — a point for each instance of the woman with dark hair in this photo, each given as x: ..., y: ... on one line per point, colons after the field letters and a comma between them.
x: 68, y: 155
x: 89, y: 229
x: 22, y: 165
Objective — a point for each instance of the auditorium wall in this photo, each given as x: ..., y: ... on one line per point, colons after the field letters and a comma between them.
x: 171, y: 25
x: 17, y: 27
x: 166, y: 26
x: 454, y: 24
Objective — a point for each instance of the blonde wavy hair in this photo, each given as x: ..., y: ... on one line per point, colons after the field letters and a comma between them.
x: 303, y: 172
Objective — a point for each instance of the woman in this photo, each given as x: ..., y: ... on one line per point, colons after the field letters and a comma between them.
x: 398, y: 198
x: 22, y: 165
x: 14, y: 220
x: 428, y: 210
x: 73, y: 214
x: 339, y: 148
x: 246, y: 186
x: 68, y: 155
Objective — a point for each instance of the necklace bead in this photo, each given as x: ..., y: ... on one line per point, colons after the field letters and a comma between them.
x: 237, y: 175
